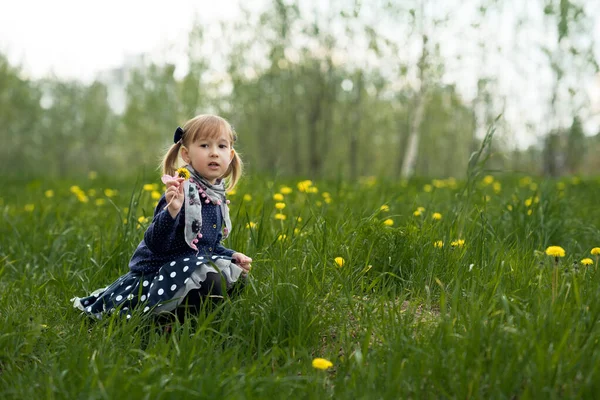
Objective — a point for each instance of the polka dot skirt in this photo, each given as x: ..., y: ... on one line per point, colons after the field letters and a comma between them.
x: 157, y: 292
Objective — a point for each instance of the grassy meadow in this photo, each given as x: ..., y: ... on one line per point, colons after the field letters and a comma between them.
x: 420, y: 289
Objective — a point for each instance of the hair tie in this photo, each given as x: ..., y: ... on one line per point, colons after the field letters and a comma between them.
x: 178, y: 134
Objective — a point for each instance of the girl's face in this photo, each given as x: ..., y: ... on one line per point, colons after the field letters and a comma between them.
x: 209, y: 156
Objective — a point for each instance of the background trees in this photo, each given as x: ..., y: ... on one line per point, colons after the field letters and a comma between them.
x: 331, y: 90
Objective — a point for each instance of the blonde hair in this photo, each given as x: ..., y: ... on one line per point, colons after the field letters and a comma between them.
x: 201, y: 127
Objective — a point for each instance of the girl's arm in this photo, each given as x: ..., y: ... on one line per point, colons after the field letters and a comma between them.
x: 221, y: 250
x: 161, y: 234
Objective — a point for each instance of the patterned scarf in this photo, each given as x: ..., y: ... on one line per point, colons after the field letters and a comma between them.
x: 198, y: 190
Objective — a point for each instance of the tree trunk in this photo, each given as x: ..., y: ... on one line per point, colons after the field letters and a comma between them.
x: 355, y: 128
x: 412, y: 147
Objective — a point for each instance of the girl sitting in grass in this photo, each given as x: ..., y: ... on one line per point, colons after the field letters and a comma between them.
x: 180, y: 262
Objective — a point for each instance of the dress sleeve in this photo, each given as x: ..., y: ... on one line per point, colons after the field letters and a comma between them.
x: 161, y: 234
x: 221, y: 250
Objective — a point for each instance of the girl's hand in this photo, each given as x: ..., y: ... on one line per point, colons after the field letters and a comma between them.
x: 243, y: 261
x: 174, y: 196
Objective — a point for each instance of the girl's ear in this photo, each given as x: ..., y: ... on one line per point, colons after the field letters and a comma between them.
x: 185, y: 154
x: 232, y: 155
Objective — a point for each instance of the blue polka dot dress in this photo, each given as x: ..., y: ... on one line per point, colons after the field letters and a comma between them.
x: 164, y: 269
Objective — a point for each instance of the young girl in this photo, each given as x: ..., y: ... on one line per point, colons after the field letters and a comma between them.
x: 181, y: 260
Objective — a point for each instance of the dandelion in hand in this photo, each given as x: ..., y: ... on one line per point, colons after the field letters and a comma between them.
x: 183, y: 173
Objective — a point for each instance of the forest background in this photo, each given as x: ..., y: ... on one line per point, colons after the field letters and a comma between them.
x: 393, y: 89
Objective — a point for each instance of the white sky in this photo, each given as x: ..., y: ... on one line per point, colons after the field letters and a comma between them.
x: 78, y: 39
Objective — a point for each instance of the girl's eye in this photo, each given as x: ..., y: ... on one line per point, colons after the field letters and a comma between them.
x: 203, y: 145
x: 223, y: 146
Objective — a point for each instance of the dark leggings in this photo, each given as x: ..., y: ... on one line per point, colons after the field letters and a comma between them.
x: 213, y: 286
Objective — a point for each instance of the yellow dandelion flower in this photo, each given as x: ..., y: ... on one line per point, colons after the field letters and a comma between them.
x: 533, y: 187
x: 110, y: 192
x: 49, y: 193
x: 82, y: 197
x: 183, y: 173
x: 148, y: 187
x: 312, y: 189
x: 155, y: 195
x: 497, y: 186
x: 281, y: 237
x: 458, y: 243
x: 529, y: 212
x: 417, y: 213
x: 280, y: 216
x: 595, y: 251
x: 232, y: 192
x: 388, y: 222
x: 278, y: 197
x: 439, y: 244
x: 587, y: 261
x: 29, y: 207
x: 340, y: 261
x: 555, y: 251
x: 100, y: 202
x: 326, y: 195
x: 299, y: 219
x: 421, y: 209
x: 143, y: 220
x: 327, y: 200
x: 437, y: 216
x: 250, y: 225
x: 488, y: 180
x: 280, y: 206
x: 529, y: 202
x: 303, y: 186
x: 384, y: 208
x: 321, y: 363
x: 427, y: 188
x: 75, y: 189
x: 509, y: 207
x: 296, y: 231
x: 285, y: 190
x: 247, y: 197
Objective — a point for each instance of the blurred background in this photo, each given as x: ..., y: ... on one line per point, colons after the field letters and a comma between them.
x: 341, y: 88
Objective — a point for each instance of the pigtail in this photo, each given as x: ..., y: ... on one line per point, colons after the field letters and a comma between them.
x: 234, y: 172
x: 169, y: 162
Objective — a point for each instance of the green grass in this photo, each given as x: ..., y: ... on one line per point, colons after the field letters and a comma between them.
x: 401, y: 318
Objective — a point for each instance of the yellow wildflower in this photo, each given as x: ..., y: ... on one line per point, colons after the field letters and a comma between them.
x: 92, y: 192
x: 555, y: 251
x: 110, y: 192
x: 388, y: 222
x: 299, y: 219
x: 529, y: 202
x: 437, y: 216
x: 339, y: 261
x: 587, y: 261
x: 595, y: 251
x: 384, y: 208
x: 458, y: 243
x: 327, y: 200
x: 497, y: 187
x: 232, y: 192
x: 49, y: 193
x: 427, y: 188
x: 29, y: 207
x: 303, y: 186
x: 439, y: 244
x: 247, y: 197
x: 143, y: 220
x: 155, y: 195
x: 282, y: 237
x: 321, y: 363
x: 183, y: 173
x: 285, y: 190
x: 100, y: 202
x: 421, y: 209
x: 82, y: 197
x: 417, y: 213
x: 488, y: 180
x: 280, y: 216
x: 278, y: 197
x: 280, y: 206
x: 148, y: 187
